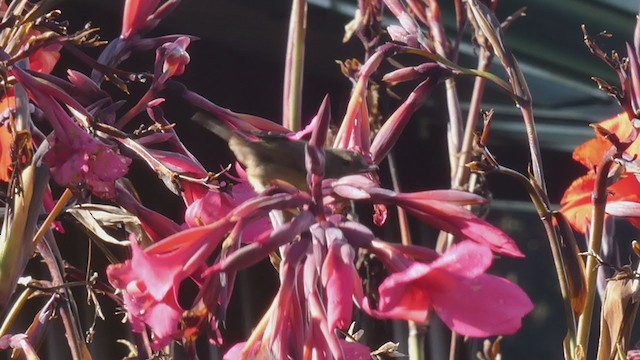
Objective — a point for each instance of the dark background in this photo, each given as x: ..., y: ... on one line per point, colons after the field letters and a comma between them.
x: 238, y: 64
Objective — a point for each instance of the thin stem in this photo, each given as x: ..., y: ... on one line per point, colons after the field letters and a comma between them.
x: 15, y: 310
x: 137, y: 108
x: 545, y: 214
x: 467, y: 72
x: 599, y: 200
x: 68, y: 310
x: 462, y: 173
x: 57, y: 209
x: 534, y: 146
x: 292, y: 95
x: 417, y: 333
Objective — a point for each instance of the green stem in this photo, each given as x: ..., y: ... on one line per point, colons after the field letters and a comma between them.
x: 292, y: 96
x: 595, y: 243
x: 417, y: 332
x: 462, y: 173
x: 15, y: 310
x: 554, y: 243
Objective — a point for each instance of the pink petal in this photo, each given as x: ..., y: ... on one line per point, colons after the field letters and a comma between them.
x: 466, y: 259
x: 338, y: 275
x: 460, y: 221
x: 402, y: 300
x: 483, y: 306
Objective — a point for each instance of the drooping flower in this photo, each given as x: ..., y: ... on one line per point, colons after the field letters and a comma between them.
x: 456, y: 287
x: 174, y: 56
x: 440, y: 208
x: 45, y: 59
x: 76, y: 158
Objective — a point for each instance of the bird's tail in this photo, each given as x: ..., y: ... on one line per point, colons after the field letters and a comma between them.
x: 213, y: 124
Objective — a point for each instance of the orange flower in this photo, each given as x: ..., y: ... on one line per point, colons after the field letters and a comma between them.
x: 576, y: 202
x: 6, y: 140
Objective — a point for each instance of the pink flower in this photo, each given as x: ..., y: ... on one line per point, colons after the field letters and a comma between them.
x: 455, y: 285
x: 45, y: 59
x: 77, y: 159
x: 174, y: 58
x: 19, y: 341
x: 135, y: 15
x: 340, y: 279
x: 441, y: 208
x: 216, y: 204
x: 147, y: 297
x: 151, y: 279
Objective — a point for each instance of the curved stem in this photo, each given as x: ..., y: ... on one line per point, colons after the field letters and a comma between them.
x: 545, y: 214
x: 15, y: 310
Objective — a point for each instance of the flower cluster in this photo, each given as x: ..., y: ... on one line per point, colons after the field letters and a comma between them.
x: 300, y: 216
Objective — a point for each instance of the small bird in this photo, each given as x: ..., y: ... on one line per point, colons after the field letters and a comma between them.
x: 270, y: 156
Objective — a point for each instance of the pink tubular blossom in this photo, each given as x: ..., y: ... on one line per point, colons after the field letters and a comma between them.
x: 215, y: 204
x: 340, y: 279
x: 469, y: 301
x: 151, y: 279
x: 440, y: 208
x: 393, y: 127
x: 77, y: 159
x: 135, y: 15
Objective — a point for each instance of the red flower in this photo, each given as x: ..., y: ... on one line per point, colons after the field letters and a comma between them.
x: 469, y: 301
x: 576, y: 202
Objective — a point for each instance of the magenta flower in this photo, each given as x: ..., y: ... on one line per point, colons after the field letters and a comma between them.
x: 455, y: 285
x: 216, y: 204
x: 76, y: 159
x: 340, y: 279
x: 151, y: 279
x: 19, y: 341
x: 149, y: 300
x: 440, y: 208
